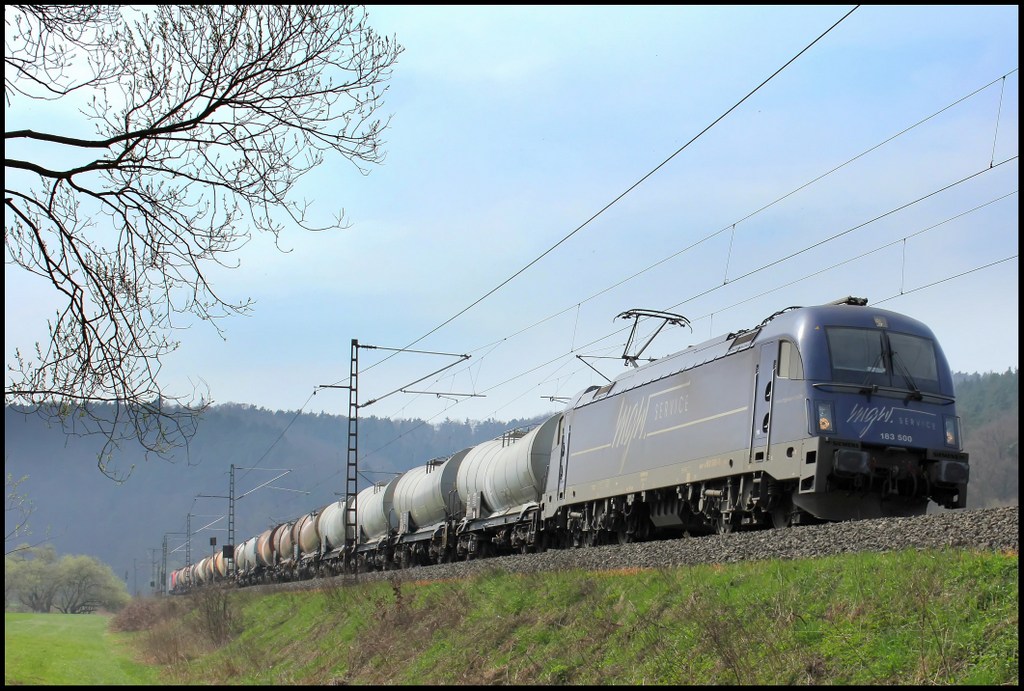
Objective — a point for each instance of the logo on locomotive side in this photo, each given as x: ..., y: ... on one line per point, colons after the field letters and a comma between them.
x: 671, y: 407
x: 631, y: 420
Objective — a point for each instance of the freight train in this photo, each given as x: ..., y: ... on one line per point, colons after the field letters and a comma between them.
x: 832, y: 412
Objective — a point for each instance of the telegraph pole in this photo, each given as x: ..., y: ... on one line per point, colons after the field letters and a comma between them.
x: 352, y: 459
x: 163, y: 566
x: 352, y: 462
x: 152, y: 571
x: 231, y: 518
x: 232, y: 500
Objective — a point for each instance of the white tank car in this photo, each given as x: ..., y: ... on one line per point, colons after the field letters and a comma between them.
x: 203, y: 570
x: 245, y: 556
x: 375, y: 513
x: 266, y: 545
x: 284, y: 543
x: 501, y: 476
x: 331, y: 527
x: 428, y: 493
x: 306, y: 535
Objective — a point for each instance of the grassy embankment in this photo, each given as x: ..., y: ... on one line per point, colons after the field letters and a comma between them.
x: 938, y: 617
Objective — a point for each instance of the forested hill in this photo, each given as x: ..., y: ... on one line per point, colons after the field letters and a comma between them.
x: 80, y: 511
x: 988, y: 406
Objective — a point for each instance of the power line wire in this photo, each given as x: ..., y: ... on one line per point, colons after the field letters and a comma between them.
x: 632, y: 187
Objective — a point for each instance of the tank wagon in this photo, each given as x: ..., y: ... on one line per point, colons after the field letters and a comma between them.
x: 827, y: 413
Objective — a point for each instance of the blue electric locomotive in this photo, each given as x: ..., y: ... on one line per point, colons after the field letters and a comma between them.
x: 833, y: 412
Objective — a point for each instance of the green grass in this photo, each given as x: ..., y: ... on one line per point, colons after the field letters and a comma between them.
x: 63, y: 649
x: 920, y: 618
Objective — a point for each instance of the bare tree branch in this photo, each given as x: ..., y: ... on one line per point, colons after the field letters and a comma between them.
x: 17, y: 510
x: 203, y: 120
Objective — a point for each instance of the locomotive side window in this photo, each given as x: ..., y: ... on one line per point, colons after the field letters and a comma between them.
x: 790, y: 364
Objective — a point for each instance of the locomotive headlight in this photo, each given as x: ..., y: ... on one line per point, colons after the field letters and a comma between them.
x: 825, y: 417
x: 952, y: 428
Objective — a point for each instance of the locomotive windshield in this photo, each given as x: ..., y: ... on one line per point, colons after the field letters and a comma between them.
x: 873, y: 357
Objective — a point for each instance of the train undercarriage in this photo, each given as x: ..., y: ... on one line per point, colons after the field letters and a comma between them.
x: 901, y: 483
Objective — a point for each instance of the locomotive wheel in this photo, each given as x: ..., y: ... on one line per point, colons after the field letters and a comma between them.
x: 782, y: 515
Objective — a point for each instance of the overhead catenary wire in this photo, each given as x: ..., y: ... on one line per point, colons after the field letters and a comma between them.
x: 759, y: 210
x: 629, y: 189
x: 769, y: 265
x: 802, y: 278
x: 731, y: 227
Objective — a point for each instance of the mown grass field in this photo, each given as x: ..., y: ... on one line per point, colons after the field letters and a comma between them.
x: 921, y: 618
x: 70, y: 649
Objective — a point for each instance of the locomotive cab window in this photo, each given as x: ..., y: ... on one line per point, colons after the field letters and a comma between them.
x: 881, y: 358
x: 790, y: 364
x: 913, y: 362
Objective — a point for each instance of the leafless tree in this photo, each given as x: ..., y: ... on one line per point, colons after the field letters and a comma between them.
x: 17, y: 510
x: 183, y: 132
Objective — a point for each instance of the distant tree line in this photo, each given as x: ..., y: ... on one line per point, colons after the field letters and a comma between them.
x: 988, y: 408
x: 36, y: 580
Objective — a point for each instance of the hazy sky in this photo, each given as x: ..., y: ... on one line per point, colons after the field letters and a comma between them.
x: 881, y: 162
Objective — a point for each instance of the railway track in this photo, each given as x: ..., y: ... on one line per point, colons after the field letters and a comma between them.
x: 995, y: 529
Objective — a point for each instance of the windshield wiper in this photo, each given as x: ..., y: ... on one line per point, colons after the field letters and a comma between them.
x: 884, y: 390
x: 897, y: 363
x: 865, y: 387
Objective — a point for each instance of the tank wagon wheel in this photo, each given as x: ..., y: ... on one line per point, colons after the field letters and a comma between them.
x: 725, y: 526
x: 480, y: 551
